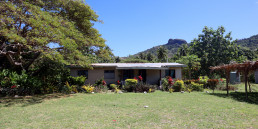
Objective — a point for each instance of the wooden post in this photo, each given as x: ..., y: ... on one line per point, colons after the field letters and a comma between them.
x: 246, y: 77
x: 227, y: 79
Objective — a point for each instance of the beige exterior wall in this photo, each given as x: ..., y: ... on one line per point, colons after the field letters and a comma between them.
x: 95, y: 74
x: 152, y: 76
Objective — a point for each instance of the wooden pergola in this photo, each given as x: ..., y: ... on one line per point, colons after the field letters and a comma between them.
x: 245, y: 68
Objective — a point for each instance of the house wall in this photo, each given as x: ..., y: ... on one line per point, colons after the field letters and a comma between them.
x: 96, y: 74
x: 152, y: 76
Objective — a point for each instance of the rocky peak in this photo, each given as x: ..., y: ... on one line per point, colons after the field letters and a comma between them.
x: 176, y: 41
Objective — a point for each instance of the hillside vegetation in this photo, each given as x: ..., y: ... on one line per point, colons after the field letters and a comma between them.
x: 172, y: 46
x: 251, y: 43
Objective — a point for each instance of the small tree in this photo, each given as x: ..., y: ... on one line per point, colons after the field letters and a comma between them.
x: 192, y: 62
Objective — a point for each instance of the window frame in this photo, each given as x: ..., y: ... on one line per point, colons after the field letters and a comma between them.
x: 109, y: 74
x: 84, y: 73
x: 168, y: 72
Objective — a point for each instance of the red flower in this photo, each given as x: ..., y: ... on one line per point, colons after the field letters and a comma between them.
x: 14, y: 86
x: 198, y: 79
x: 103, y: 82
x: 221, y: 80
x: 135, y: 78
x: 118, y: 82
x: 170, y: 81
x: 114, y: 120
x: 140, y: 77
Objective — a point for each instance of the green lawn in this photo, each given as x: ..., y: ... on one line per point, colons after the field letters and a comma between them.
x: 176, y: 110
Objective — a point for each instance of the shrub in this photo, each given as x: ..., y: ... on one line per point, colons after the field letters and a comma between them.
x: 25, y: 84
x: 88, y: 88
x: 179, y: 85
x: 131, y: 82
x: 164, y: 83
x: 116, y: 90
x: 187, y: 82
x: 212, y: 83
x: 51, y: 74
x: 113, y: 86
x: 130, y: 85
x: 99, y: 82
x: 141, y: 87
x: 79, y: 81
x: 203, y: 80
x: 170, y: 90
x: 100, y: 88
x: 67, y: 89
x: 197, y: 86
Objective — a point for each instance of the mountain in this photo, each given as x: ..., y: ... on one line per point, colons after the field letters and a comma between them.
x: 172, y: 45
x: 251, y: 43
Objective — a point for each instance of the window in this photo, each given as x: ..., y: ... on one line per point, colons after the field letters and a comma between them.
x: 109, y: 74
x: 83, y: 73
x: 171, y: 73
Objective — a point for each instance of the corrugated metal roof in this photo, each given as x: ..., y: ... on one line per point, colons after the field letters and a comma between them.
x: 138, y: 65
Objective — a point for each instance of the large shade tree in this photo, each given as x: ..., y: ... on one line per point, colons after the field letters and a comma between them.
x: 214, y: 47
x: 30, y: 28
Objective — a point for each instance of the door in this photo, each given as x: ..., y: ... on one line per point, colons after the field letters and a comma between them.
x: 128, y: 74
x: 142, y: 72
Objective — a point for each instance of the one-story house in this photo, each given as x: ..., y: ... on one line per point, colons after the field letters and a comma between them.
x: 112, y: 72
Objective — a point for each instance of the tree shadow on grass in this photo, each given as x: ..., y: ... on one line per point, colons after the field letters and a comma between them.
x: 29, y: 100
x: 240, y: 96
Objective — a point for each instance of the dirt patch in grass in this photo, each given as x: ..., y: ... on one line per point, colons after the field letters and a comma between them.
x: 30, y: 100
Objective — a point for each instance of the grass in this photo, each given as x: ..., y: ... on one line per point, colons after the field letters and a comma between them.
x: 175, y: 110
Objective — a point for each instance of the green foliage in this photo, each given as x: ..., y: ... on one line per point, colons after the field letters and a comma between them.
x: 67, y: 89
x: 113, y: 86
x: 197, y: 86
x: 162, y: 54
x: 203, y: 80
x: 133, y: 60
x: 214, y: 47
x: 141, y: 87
x: 79, y: 81
x: 251, y: 43
x: 51, y: 74
x: 212, y: 83
x: 164, y: 83
x: 68, y: 24
x: 179, y: 86
x: 99, y: 82
x: 150, y: 57
x: 192, y: 62
x: 25, y: 84
x: 171, y: 90
x: 130, y: 85
x: 88, y: 88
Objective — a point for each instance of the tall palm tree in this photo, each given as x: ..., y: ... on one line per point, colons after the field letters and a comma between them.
x: 162, y: 54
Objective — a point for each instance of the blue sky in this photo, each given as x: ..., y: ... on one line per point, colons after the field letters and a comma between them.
x: 131, y: 26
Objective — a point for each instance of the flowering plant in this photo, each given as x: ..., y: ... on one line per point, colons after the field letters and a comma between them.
x: 135, y: 78
x: 14, y: 86
x: 170, y: 81
x: 140, y: 78
x: 104, y: 82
